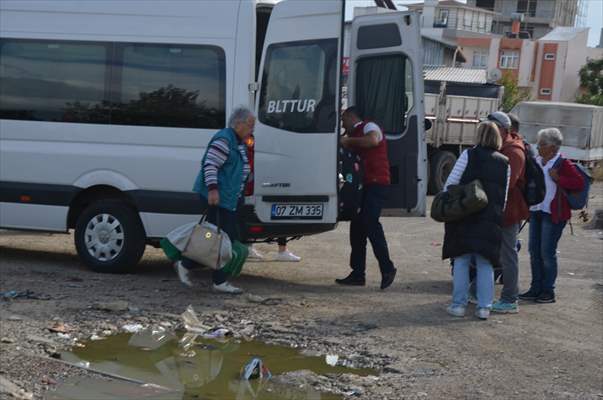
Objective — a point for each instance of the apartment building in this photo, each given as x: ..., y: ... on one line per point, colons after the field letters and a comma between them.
x: 540, y: 16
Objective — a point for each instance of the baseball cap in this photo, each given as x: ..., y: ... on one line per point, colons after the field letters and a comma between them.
x: 500, y: 118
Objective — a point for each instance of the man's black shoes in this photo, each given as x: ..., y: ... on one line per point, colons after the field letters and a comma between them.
x: 351, y: 280
x: 388, y: 278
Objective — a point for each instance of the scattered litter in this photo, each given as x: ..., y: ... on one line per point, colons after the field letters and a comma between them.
x: 60, y: 327
x: 46, y: 380
x: 151, y: 338
x: 191, y: 321
x: 216, y: 333
x: 571, y: 273
x: 331, y: 359
x: 255, y: 369
x: 6, y: 340
x: 96, y: 337
x: 267, y: 301
x: 63, y: 335
x: 115, y: 306
x: 132, y: 328
x: 23, y: 294
x: 436, y: 244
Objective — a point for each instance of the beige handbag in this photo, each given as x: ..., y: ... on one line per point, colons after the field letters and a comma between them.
x: 208, y: 245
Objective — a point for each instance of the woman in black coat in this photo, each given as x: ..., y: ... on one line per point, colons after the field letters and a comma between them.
x: 476, y: 239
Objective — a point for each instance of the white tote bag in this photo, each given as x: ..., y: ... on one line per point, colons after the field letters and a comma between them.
x: 208, y: 245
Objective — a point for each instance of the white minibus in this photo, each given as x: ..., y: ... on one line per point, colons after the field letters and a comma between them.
x: 106, y: 108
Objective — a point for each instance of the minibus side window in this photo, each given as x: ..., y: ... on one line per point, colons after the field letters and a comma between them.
x: 169, y: 85
x: 298, y: 86
x: 54, y: 81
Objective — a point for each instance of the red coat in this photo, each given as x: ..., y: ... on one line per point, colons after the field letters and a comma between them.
x: 516, y: 209
x: 569, y: 179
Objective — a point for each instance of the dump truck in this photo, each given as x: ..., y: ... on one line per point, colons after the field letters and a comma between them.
x: 454, y: 111
x: 581, y: 125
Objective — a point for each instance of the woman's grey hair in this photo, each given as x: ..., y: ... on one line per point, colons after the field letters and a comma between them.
x: 238, y: 115
x: 552, y: 136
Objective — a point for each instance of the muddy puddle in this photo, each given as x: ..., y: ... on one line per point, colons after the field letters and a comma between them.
x: 158, y: 364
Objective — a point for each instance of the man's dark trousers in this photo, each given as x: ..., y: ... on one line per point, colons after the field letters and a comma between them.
x: 366, y: 225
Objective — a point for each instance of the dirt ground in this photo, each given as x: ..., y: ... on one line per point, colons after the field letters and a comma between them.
x: 548, y: 351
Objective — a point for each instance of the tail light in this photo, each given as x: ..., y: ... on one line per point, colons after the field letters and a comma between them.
x: 250, y: 142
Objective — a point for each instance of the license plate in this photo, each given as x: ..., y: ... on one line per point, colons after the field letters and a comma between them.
x: 297, y: 211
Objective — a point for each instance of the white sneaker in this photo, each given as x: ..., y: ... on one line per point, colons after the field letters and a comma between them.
x: 287, y: 256
x: 456, y: 311
x: 482, y: 313
x: 254, y: 254
x: 183, y: 273
x: 227, y: 288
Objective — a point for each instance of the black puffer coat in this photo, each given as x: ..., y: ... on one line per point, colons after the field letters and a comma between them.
x: 481, y: 232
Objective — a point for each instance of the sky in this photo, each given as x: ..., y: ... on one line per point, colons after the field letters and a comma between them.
x: 594, y: 15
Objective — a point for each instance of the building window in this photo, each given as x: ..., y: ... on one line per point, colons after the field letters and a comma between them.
x: 509, y: 59
x: 527, y: 7
x: 480, y: 59
x: 481, y: 22
x: 442, y: 21
x: 549, y: 56
x: 545, y: 92
x: 487, y: 4
x: 468, y: 20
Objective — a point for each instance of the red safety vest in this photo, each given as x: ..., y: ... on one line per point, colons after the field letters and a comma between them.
x: 374, y: 159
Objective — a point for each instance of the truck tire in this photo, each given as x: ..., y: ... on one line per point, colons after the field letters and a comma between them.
x: 109, y: 237
x: 440, y: 166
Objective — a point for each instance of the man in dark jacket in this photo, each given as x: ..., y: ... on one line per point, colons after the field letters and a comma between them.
x: 516, y: 210
x: 368, y: 141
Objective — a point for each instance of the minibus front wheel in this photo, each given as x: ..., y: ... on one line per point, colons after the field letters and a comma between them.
x: 109, y: 237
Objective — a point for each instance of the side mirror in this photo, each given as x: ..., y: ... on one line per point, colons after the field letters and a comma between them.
x: 427, y: 124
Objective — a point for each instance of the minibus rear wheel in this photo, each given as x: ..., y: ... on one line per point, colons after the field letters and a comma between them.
x: 109, y: 237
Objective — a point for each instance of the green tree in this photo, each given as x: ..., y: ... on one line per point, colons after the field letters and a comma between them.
x: 513, y: 93
x: 591, y: 81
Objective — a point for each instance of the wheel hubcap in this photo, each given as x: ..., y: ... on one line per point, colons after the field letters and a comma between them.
x: 104, y: 237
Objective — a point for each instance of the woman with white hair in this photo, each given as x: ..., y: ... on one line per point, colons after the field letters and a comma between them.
x: 548, y: 218
x: 220, y: 184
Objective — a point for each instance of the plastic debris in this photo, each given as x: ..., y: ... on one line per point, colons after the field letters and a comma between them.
x: 255, y: 369
x: 192, y: 322
x: 216, y: 333
x: 60, y: 327
x: 24, y: 294
x: 132, y: 328
x: 331, y: 359
x: 151, y: 338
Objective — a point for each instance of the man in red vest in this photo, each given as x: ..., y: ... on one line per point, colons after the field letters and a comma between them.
x: 367, y: 140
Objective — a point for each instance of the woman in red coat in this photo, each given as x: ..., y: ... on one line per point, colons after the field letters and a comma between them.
x: 548, y: 218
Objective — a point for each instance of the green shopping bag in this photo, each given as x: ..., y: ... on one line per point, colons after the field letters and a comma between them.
x: 171, y: 251
x: 239, y: 255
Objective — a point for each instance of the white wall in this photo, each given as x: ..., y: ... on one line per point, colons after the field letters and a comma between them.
x: 577, y: 53
x: 526, y: 62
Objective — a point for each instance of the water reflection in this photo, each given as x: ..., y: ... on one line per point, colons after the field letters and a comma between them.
x: 186, y: 366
